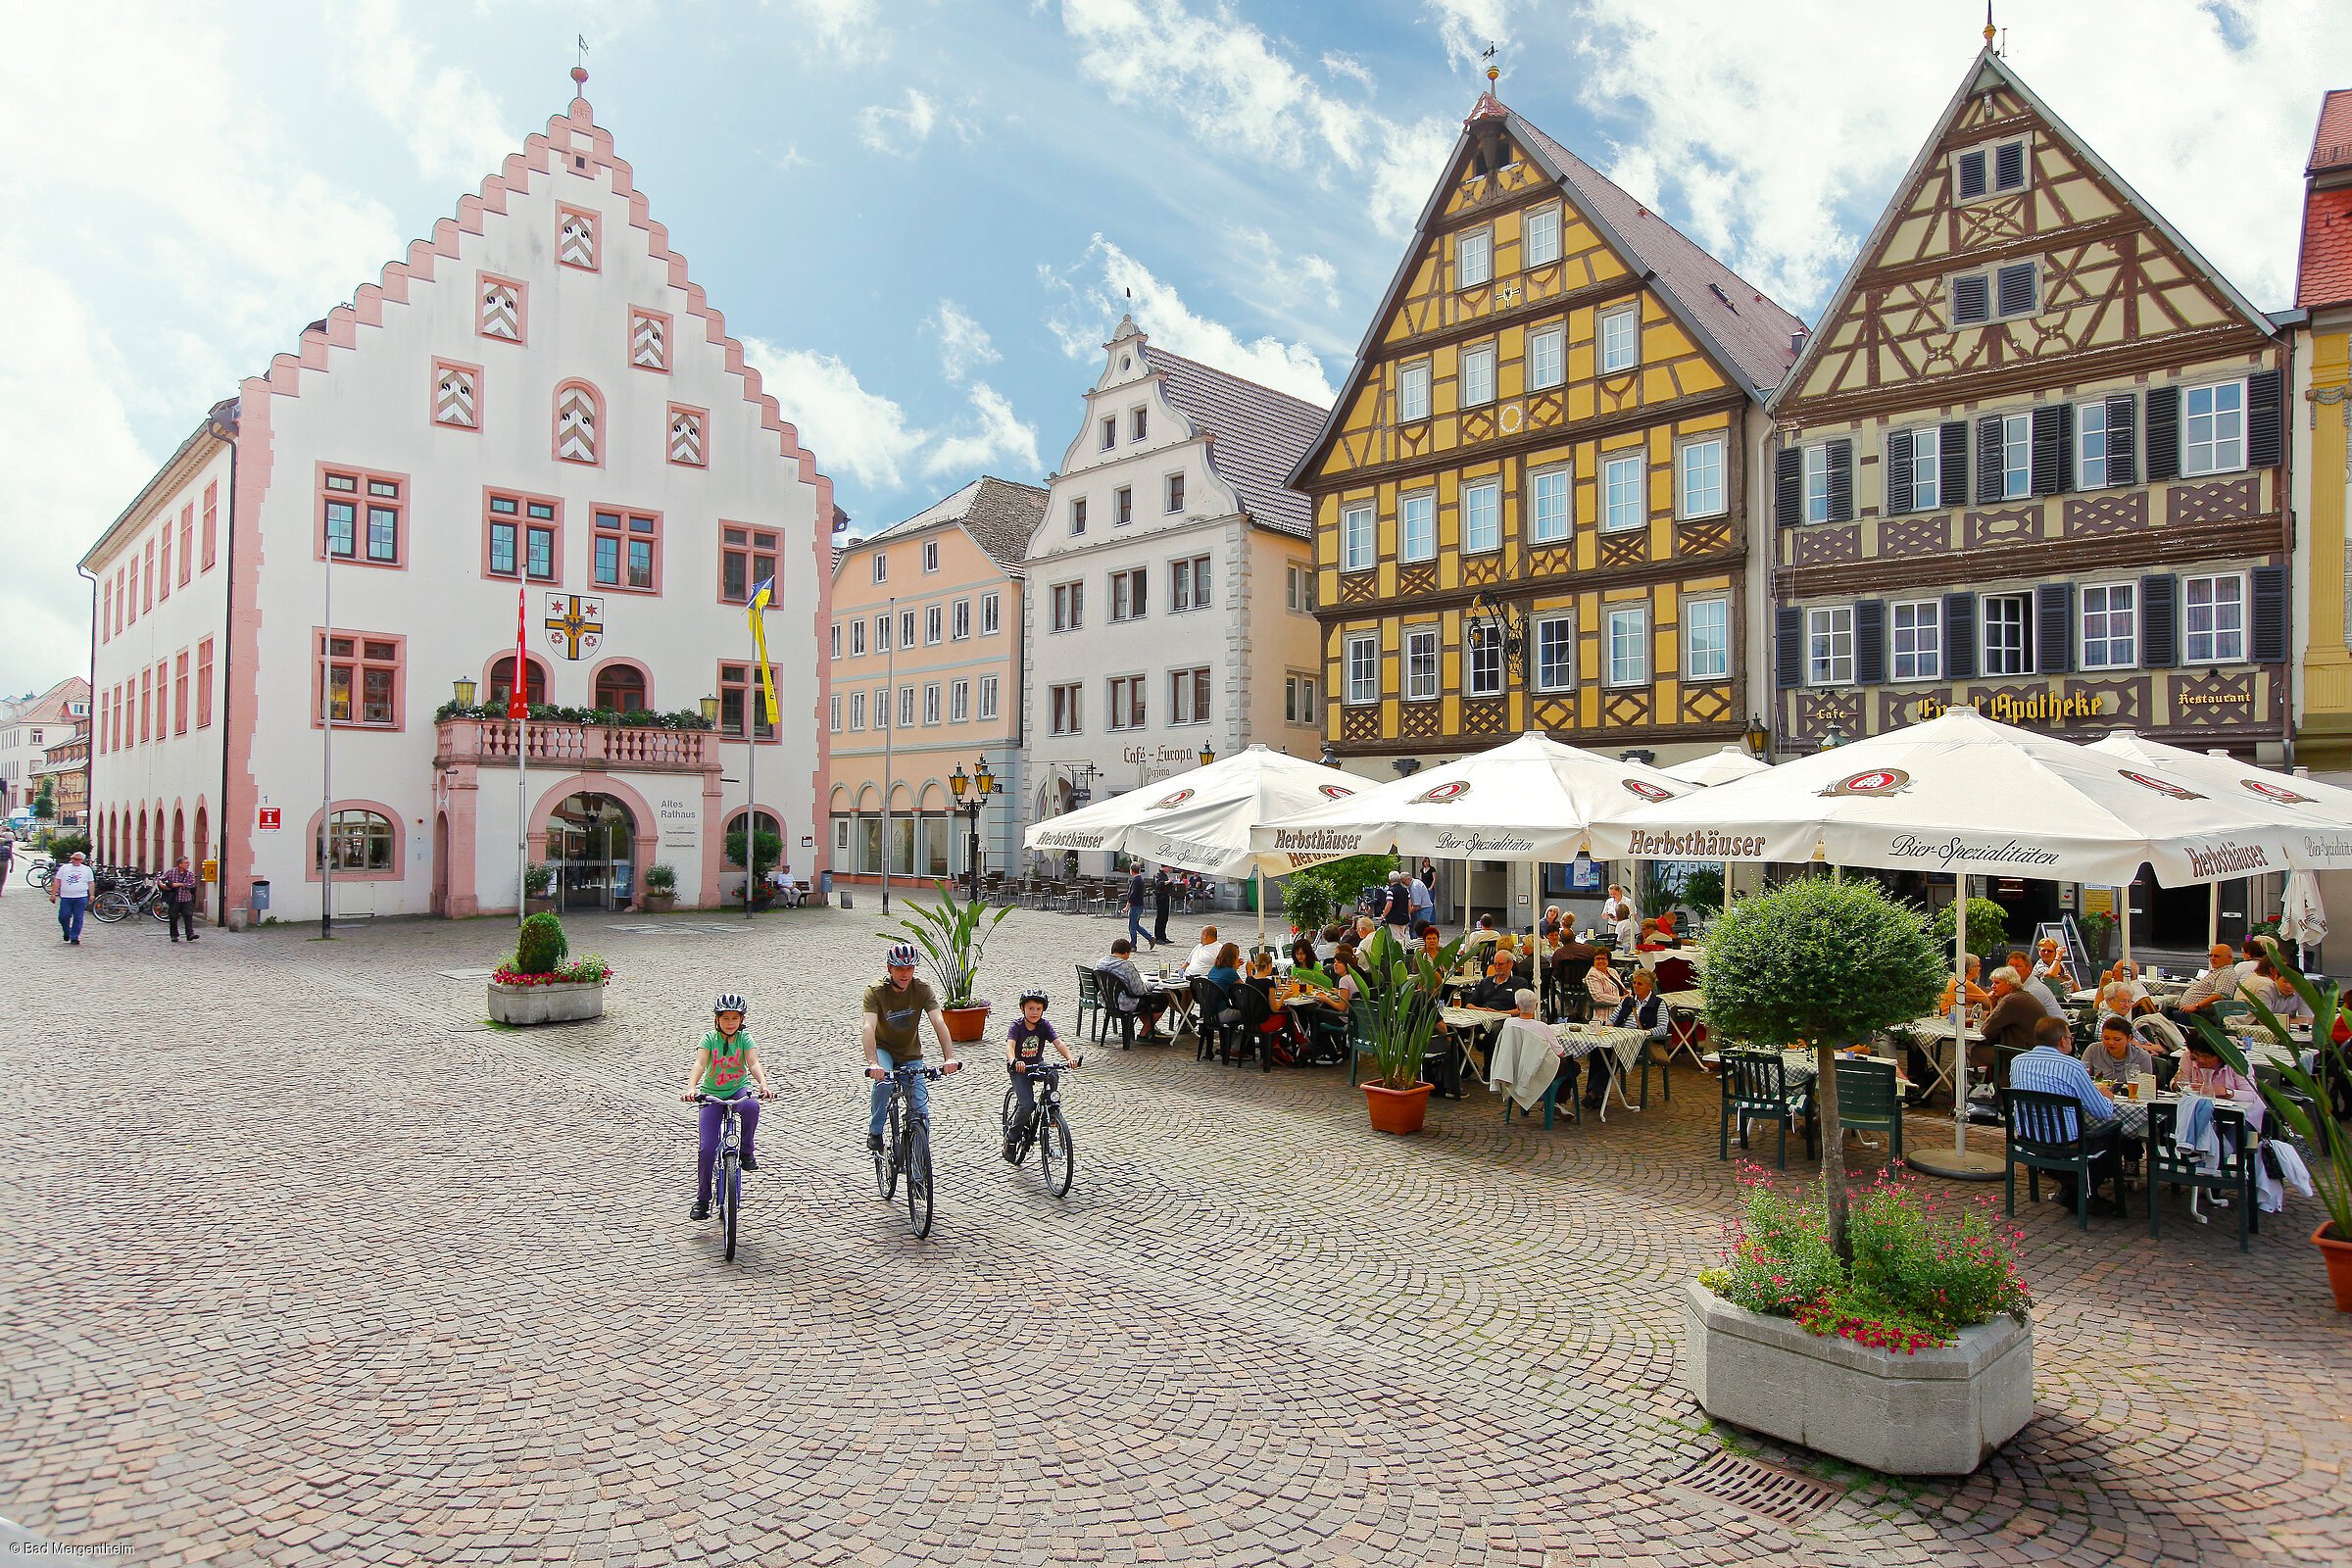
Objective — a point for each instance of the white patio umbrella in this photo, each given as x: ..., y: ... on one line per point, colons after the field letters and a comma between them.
x: 2303, y: 917
x: 1200, y: 820
x: 1718, y: 767
x: 1532, y: 800
x: 1963, y: 794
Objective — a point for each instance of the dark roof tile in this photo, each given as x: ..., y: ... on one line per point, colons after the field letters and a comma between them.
x: 1257, y: 436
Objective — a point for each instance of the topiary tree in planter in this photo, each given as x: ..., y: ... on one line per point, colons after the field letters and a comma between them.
x: 1985, y: 938
x: 540, y: 945
x: 1309, y: 899
x: 1825, y: 964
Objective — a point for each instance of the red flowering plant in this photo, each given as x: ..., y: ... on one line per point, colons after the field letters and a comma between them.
x: 1922, y: 1271
x: 587, y: 969
x: 538, y: 958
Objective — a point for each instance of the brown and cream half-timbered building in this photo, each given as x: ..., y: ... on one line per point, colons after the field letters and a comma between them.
x: 1530, y: 502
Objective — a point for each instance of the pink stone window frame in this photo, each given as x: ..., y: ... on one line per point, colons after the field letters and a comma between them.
x: 703, y: 415
x: 363, y: 500
x: 601, y: 438
x: 628, y: 344
x: 522, y: 308
x: 398, y: 664
x: 432, y: 397
x: 597, y: 531
x: 595, y: 236
x: 400, y: 842
x: 523, y: 522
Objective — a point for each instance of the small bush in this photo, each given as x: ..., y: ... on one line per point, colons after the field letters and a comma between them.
x: 662, y: 877
x: 1308, y: 899
x: 64, y: 845
x: 540, y: 947
x: 1985, y: 938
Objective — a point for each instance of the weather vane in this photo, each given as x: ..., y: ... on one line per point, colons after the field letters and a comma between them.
x: 1493, y: 71
x: 583, y: 41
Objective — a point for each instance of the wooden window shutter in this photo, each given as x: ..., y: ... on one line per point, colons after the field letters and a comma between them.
x: 2160, y: 621
x: 1960, y: 636
x: 2162, y: 434
x: 2266, y: 422
x: 1971, y: 300
x: 1789, y: 486
x: 1869, y: 641
x: 1952, y: 463
x: 2123, y: 445
x: 1896, y: 464
x: 2269, y: 643
x: 2053, y: 448
x: 1988, y: 459
x: 1970, y: 168
x: 2054, y: 627
x: 1841, y: 480
x: 2009, y: 165
x: 2016, y: 289
x: 1787, y: 646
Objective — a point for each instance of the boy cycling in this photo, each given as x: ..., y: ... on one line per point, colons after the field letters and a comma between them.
x: 895, y: 1010
x: 1025, y: 1046
x: 726, y: 1056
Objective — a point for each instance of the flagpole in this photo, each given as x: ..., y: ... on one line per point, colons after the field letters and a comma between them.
x: 324, y: 847
x: 518, y: 698
x: 889, y: 736
x: 751, y: 804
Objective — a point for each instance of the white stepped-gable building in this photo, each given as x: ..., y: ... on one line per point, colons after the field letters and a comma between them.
x: 536, y: 398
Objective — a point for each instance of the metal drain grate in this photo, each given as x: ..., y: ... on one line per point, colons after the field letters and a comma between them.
x: 1764, y: 1490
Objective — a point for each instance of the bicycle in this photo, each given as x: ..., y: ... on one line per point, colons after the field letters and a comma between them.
x: 907, y: 1147
x: 726, y: 1172
x: 114, y: 897
x: 42, y: 872
x: 1045, y: 1126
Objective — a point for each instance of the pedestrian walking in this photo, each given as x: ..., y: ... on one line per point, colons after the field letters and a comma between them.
x: 1163, y: 889
x: 69, y: 889
x: 179, y: 892
x: 8, y: 857
x: 1424, y: 901
x: 1135, y: 908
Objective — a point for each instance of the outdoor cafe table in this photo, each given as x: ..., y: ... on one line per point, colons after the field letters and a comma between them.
x: 1936, y: 1033
x: 1580, y: 1040
x: 2132, y: 1116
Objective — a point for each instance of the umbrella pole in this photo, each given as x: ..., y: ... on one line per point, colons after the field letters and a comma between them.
x: 2124, y: 922
x: 1259, y: 873
x: 2213, y: 913
x: 1962, y: 1163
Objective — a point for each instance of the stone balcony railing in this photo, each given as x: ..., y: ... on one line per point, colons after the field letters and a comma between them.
x: 556, y: 743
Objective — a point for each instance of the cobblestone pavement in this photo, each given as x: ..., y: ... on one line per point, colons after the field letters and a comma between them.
x: 302, y: 1263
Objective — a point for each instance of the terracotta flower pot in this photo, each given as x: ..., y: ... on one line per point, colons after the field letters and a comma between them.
x: 1398, y: 1110
x: 2338, y: 1251
x: 965, y: 1024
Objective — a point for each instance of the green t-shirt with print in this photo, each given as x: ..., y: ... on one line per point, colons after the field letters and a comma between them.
x: 727, y: 1074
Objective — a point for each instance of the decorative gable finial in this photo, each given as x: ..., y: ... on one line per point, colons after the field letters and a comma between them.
x: 1988, y: 27
x: 1488, y: 107
x: 579, y: 71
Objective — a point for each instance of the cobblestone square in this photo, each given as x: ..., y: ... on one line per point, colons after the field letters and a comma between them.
x: 301, y: 1263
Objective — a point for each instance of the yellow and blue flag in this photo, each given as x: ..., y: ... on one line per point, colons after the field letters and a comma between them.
x: 761, y: 595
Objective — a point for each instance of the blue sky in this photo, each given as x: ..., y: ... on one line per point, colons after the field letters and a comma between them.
x: 921, y: 215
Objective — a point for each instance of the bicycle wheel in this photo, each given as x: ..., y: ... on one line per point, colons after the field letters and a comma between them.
x: 730, y: 1197
x: 109, y: 906
x: 38, y: 876
x: 1054, y: 1157
x: 159, y: 908
x: 886, y: 1164
x: 919, y: 1175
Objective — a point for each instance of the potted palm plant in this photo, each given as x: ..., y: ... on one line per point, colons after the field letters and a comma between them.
x: 953, y: 933
x: 1397, y: 1012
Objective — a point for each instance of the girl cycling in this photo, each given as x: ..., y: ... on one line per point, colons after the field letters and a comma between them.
x: 727, y: 1055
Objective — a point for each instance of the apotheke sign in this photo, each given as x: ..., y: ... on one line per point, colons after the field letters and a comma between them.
x: 2046, y: 708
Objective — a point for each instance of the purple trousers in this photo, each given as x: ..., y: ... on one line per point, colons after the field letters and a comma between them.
x: 708, y: 1156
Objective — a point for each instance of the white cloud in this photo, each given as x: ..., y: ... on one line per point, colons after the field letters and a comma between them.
x: 1338, y: 64
x: 1285, y: 281
x: 453, y: 125
x: 1106, y: 281
x: 963, y: 343
x: 866, y: 436
x: 841, y: 26
x: 1412, y: 158
x: 900, y: 133
x: 1468, y: 26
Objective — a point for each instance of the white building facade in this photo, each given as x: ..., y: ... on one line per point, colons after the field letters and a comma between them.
x: 28, y: 728
x: 534, y: 404
x: 1171, y: 584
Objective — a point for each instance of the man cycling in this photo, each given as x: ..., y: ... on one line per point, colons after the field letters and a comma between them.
x: 895, y: 1010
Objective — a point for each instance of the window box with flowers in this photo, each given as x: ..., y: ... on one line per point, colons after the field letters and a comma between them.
x: 540, y: 983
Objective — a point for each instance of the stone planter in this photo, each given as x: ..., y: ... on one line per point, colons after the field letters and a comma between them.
x: 966, y: 1025
x: 538, y: 904
x: 550, y: 1003
x: 1937, y: 1412
x: 658, y: 902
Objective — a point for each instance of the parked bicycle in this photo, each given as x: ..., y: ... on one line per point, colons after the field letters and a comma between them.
x: 726, y: 1176
x: 120, y: 895
x: 1044, y: 1126
x: 907, y: 1147
x: 43, y: 872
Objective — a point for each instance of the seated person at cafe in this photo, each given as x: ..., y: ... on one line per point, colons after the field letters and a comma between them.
x: 1642, y: 1008
x: 1626, y: 934
x: 1327, y: 941
x: 2008, y: 1024
x: 2050, y: 1068
x: 2050, y: 967
x: 1499, y: 992
x: 1670, y: 931
x: 2218, y: 983
x: 1978, y: 996
x: 1340, y: 967
x: 1602, y: 986
x: 2036, y: 987
x: 1226, y: 970
x: 2206, y: 1073
x: 1481, y: 934
x: 1646, y: 940
x: 1128, y: 997
x: 1278, y: 1020
x: 2125, y: 972
x: 1305, y: 967
x: 1204, y: 956
x: 2265, y: 986
x: 1552, y: 920
x: 2119, y: 1057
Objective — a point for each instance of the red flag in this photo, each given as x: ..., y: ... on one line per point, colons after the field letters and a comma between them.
x: 518, y: 700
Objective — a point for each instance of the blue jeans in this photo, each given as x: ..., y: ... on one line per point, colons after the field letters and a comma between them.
x: 918, y: 1096
x: 1135, y: 927
x: 68, y: 916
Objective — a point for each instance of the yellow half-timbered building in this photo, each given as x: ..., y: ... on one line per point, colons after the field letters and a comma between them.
x: 1531, y: 500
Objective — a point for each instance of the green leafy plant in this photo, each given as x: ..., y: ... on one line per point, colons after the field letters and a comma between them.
x: 1658, y: 889
x: 660, y: 878
x: 2097, y: 929
x: 1824, y: 963
x: 44, y: 805
x: 769, y: 848
x: 1702, y: 890
x: 64, y: 845
x: 586, y: 969
x: 552, y: 714
x: 1396, y: 1005
x: 2305, y: 1100
x: 537, y: 878
x: 1309, y: 899
x: 540, y: 945
x: 952, y: 934
x: 1985, y: 938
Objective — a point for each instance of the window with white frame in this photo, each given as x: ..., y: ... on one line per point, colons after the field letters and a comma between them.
x: 988, y: 697
x: 1122, y: 506
x: 1299, y: 584
x: 1421, y: 665
x: 1355, y: 538
x: 1482, y: 516
x: 1706, y: 639
x: 2090, y: 445
x: 1130, y: 594
x: 1628, y: 647
x: 906, y: 629
x: 1478, y: 375
x: 1915, y: 637
x: 2017, y: 456
x: 1623, y: 505
x: 2008, y: 633
x: 1078, y: 515
x: 934, y: 625
x: 959, y: 702
x: 959, y: 621
x: 836, y: 712
x: 991, y: 614
x: 1188, y: 696
x: 1701, y: 478
x: 856, y: 638
x: 930, y: 555
x: 1066, y: 702
x: 2213, y: 429
x: 1126, y: 710
x: 1553, y: 640
x: 1817, y: 483
x: 1188, y: 584
x: 881, y: 567
x: 1620, y: 339
x: 882, y: 707
x: 1299, y: 706
x: 1418, y: 527
x: 1412, y: 392
x: 1139, y: 424
x: 1363, y: 668
x: 1990, y: 170
x: 906, y: 707
x: 857, y: 711
x: 1927, y: 468
x: 1175, y: 492
x: 931, y: 696
x: 837, y: 639
x: 1548, y: 505
x: 2214, y: 613
x: 1109, y: 432
x: 1539, y: 236
x: 2110, y: 625
x: 1473, y: 258
x: 882, y: 633
x: 1547, y: 356
x: 1484, y: 660
x: 1829, y: 645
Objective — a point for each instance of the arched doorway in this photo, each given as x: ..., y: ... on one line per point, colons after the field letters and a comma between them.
x: 440, y: 904
x: 592, y: 848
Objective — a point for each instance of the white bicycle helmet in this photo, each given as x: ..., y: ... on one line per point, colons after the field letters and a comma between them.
x: 902, y: 955
x: 729, y: 1002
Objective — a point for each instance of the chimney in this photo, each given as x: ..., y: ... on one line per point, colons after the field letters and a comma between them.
x: 1796, y: 340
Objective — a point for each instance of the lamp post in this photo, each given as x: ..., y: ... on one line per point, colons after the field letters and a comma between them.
x: 1758, y: 738
x: 1208, y: 753
x: 971, y: 798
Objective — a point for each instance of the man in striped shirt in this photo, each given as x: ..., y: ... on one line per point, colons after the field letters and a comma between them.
x: 2050, y: 1068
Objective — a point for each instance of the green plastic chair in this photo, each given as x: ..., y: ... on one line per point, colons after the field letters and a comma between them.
x: 1866, y: 1100
x: 1090, y: 999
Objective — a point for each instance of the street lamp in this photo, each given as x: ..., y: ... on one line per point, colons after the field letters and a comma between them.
x: 1208, y: 753
x: 1758, y: 738
x: 1407, y: 766
x: 1639, y: 754
x: 1504, y: 626
x: 971, y: 798
x: 711, y: 711
x: 462, y: 687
